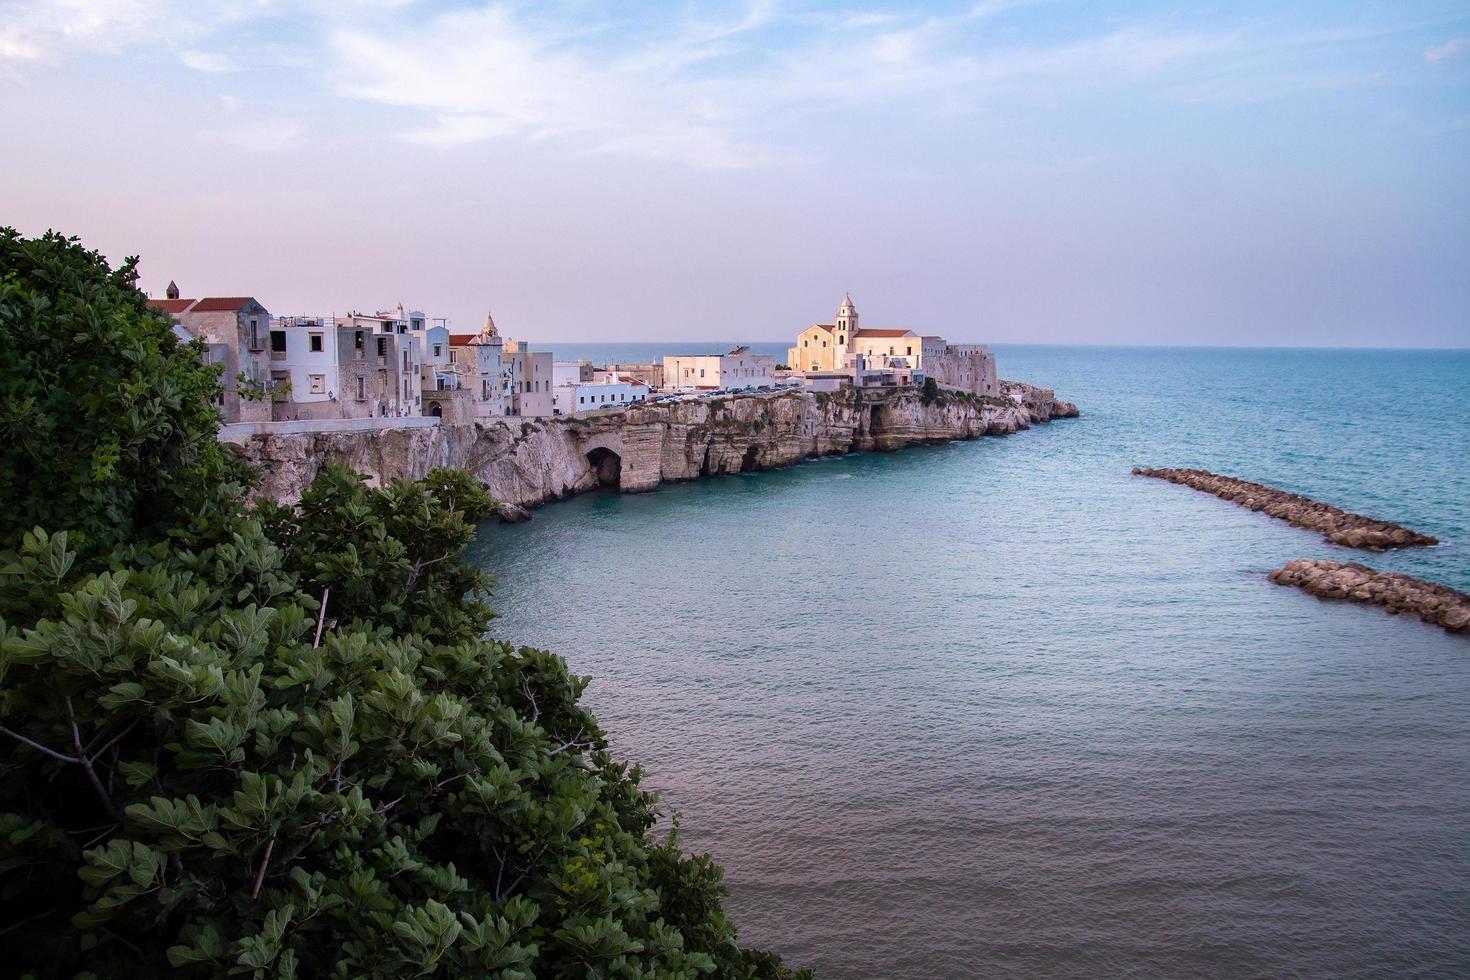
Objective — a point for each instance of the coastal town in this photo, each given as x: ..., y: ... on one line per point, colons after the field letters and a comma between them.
x: 401, y: 367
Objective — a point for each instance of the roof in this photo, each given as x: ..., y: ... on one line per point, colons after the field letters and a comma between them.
x: 221, y: 304
x: 461, y: 339
x: 825, y: 326
x: 171, y: 306
x: 867, y: 332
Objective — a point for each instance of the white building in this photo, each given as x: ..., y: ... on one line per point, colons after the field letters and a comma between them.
x: 570, y: 373
x: 304, y: 363
x: 531, y: 375
x: 571, y: 398
x: 735, y: 371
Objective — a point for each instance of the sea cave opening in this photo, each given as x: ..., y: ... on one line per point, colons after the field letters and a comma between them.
x: 608, y: 466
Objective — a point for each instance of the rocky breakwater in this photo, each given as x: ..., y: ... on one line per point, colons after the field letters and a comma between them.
x: 1396, y: 592
x: 1336, y: 526
x: 527, y: 462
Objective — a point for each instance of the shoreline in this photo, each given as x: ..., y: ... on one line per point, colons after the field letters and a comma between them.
x: 528, y: 462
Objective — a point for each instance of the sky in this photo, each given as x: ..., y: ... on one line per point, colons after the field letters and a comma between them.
x: 1237, y: 173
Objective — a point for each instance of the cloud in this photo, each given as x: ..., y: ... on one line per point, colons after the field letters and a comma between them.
x: 488, y: 72
x: 1450, y: 49
x: 744, y: 87
x: 207, y: 61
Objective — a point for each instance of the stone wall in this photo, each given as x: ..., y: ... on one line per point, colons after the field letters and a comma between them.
x: 525, y: 462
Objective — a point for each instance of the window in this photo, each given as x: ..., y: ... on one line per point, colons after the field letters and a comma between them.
x: 318, y: 383
x: 357, y: 339
x: 910, y: 348
x: 438, y: 350
x: 841, y: 339
x: 361, y: 384
x: 382, y: 346
x: 824, y: 343
x: 701, y: 372
x: 314, y: 343
x: 278, y: 341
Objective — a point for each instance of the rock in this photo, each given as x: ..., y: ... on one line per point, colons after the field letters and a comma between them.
x: 526, y: 462
x: 1397, y: 593
x: 512, y: 513
x: 1336, y: 526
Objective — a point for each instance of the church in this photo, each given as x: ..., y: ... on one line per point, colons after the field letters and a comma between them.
x: 844, y: 347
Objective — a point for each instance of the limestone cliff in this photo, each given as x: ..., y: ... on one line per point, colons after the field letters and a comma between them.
x: 528, y: 462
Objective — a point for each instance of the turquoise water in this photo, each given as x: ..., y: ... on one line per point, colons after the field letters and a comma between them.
x: 998, y: 708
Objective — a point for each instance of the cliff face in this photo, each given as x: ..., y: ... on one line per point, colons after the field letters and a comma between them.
x: 528, y: 462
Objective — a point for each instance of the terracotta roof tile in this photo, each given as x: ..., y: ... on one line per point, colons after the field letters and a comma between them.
x: 221, y: 304
x: 884, y: 333
x: 171, y: 306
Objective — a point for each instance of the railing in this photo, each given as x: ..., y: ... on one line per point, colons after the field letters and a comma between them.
x: 240, y: 430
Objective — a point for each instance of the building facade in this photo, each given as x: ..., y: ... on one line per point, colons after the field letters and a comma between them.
x: 889, y: 356
x: 530, y: 379
x: 589, y: 396
x: 735, y: 371
x: 234, y: 330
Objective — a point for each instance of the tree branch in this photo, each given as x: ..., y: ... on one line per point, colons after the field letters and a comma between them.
x: 76, y: 741
x: 321, y: 618
x: 38, y: 746
x: 270, y: 845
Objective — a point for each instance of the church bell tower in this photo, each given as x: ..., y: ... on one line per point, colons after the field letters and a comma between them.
x: 847, y: 324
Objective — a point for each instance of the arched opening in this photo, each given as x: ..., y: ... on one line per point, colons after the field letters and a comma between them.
x: 608, y: 466
x: 436, y: 410
x: 748, y: 461
x: 873, y: 419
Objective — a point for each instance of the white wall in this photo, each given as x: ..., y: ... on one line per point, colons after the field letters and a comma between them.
x: 572, y: 398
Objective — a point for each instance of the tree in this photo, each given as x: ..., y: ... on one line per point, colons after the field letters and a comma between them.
x: 107, y: 423
x: 287, y: 748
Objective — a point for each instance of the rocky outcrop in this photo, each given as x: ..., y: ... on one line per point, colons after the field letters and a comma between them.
x: 1397, y: 593
x: 527, y: 462
x: 1337, y: 526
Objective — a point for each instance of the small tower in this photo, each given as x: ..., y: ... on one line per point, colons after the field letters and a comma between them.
x: 489, y: 328
x: 847, y: 323
x: 172, y: 292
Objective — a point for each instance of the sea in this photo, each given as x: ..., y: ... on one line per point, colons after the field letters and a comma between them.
x: 1000, y: 709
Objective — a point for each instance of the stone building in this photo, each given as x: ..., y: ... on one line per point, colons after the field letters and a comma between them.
x: 888, y: 356
x: 358, y: 365
x: 233, y: 329
x: 479, y: 380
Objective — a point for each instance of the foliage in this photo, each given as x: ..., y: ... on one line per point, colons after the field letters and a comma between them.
x: 107, y: 423
x: 285, y: 748
x: 931, y: 392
